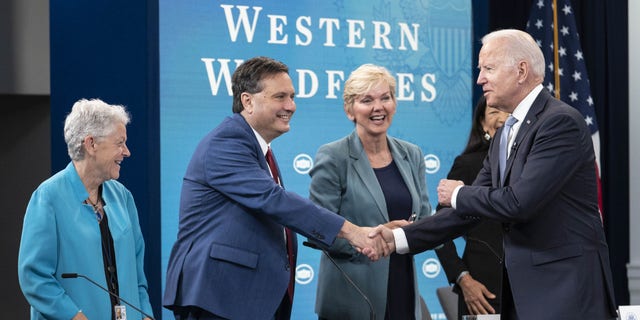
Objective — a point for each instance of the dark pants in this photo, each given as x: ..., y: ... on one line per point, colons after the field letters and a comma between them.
x: 508, y: 306
x: 194, y: 313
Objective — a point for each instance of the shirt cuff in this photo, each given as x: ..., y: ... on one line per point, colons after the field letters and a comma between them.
x: 454, y: 196
x: 400, y: 239
x: 462, y: 274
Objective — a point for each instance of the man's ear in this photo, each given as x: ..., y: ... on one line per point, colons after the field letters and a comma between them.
x: 247, y: 102
x: 523, y: 71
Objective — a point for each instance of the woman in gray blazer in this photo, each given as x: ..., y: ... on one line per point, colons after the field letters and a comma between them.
x: 370, y: 179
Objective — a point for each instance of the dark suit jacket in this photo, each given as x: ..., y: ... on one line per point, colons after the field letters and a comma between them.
x: 230, y: 257
x: 482, y: 256
x: 556, y: 255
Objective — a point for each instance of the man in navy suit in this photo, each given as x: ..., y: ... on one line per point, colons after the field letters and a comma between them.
x: 556, y: 260
x: 233, y: 258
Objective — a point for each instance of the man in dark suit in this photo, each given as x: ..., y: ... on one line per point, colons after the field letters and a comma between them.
x: 556, y: 260
x: 234, y: 258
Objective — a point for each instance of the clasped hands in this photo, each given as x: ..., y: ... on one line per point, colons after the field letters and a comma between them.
x: 381, y: 242
x: 376, y: 242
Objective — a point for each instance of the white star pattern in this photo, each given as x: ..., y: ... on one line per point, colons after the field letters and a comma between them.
x: 573, y: 96
x: 576, y: 76
x: 571, y: 69
x: 588, y: 120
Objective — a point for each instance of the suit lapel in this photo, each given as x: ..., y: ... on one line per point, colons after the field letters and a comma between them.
x: 525, y: 128
x: 365, y: 172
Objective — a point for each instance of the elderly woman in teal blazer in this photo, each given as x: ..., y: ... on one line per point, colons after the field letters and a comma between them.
x: 370, y: 179
x: 81, y: 220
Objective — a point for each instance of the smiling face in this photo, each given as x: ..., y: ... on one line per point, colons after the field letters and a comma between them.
x: 269, y: 111
x: 109, y: 152
x: 373, y: 110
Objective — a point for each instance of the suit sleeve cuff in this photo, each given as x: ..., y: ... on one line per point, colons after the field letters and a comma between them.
x: 400, y: 239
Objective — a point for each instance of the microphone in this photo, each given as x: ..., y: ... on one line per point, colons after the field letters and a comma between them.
x: 77, y: 275
x: 372, y: 314
x: 493, y: 251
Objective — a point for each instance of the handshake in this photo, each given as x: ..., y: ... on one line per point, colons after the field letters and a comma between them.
x: 380, y: 241
x: 373, y: 242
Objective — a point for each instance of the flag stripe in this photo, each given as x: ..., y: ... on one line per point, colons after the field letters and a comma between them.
x: 552, y: 24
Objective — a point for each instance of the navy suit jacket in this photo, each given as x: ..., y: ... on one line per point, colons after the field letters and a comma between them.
x: 556, y: 255
x: 230, y: 257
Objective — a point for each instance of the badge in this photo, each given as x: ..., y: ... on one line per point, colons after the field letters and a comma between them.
x: 121, y: 312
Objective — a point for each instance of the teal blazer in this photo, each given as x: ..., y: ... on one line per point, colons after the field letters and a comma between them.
x: 61, y: 235
x: 343, y: 181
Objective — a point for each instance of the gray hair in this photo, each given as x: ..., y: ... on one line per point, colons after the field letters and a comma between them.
x: 519, y: 46
x: 91, y: 118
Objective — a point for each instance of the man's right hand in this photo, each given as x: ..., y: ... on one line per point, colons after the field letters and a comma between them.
x: 385, y: 234
x: 359, y: 237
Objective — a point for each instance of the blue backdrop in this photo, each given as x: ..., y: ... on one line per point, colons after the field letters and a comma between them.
x: 426, y: 44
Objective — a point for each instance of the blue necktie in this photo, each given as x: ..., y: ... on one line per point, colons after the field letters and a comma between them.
x: 504, y: 145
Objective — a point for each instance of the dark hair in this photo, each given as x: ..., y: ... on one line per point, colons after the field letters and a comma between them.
x: 477, y: 142
x: 248, y: 77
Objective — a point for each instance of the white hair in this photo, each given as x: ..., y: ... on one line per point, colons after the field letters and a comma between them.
x: 91, y: 118
x: 519, y: 46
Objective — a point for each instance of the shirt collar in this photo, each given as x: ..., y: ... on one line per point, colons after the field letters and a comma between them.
x: 523, y: 107
x: 263, y: 144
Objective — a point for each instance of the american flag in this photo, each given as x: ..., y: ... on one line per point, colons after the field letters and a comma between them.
x: 565, y: 63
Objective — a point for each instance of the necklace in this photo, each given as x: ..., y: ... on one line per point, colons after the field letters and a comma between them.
x: 97, y: 207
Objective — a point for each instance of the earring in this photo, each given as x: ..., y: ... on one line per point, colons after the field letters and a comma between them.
x: 487, y: 136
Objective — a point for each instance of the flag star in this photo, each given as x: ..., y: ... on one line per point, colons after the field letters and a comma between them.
x: 539, y: 24
x: 590, y: 101
x: 566, y: 10
x: 539, y: 43
x: 540, y: 4
x: 560, y: 72
x: 578, y: 55
x: 550, y: 87
x: 588, y: 120
x: 573, y: 96
x: 562, y: 51
x: 550, y: 66
x: 564, y: 30
x: 577, y: 76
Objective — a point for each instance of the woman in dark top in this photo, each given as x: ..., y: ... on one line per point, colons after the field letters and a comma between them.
x: 370, y: 178
x: 477, y: 275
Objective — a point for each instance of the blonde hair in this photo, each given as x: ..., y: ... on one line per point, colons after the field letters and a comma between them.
x: 363, y: 79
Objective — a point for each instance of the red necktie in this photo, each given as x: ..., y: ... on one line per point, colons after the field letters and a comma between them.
x: 289, y: 234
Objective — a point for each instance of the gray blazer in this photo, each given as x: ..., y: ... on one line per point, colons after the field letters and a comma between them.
x: 343, y: 181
